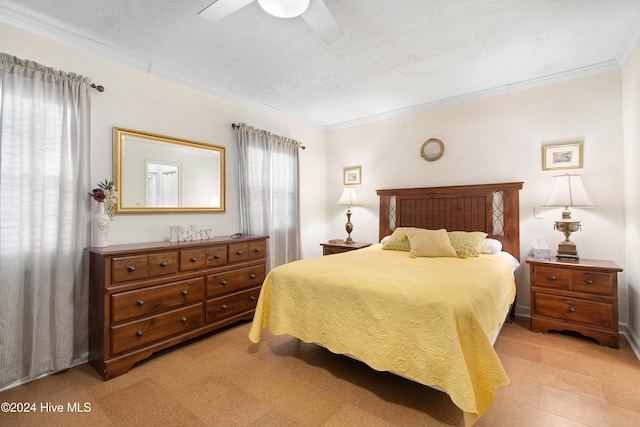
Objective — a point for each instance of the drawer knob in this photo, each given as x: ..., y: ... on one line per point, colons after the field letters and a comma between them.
x: 223, y: 283
x: 140, y: 302
x: 139, y: 333
x: 252, y: 276
x: 590, y: 282
x: 183, y: 319
x: 256, y: 250
x: 552, y: 277
x: 163, y: 264
x: 194, y: 259
x: 131, y: 268
x: 238, y: 252
x: 572, y: 309
x: 252, y: 298
x: 217, y: 256
x: 184, y: 292
x: 224, y: 306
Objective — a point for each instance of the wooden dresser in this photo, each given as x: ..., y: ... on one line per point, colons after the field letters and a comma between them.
x: 147, y: 297
x: 576, y: 296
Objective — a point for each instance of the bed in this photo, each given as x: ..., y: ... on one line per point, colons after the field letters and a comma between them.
x: 430, y: 319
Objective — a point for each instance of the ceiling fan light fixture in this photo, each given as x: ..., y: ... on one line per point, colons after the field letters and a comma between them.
x: 284, y: 8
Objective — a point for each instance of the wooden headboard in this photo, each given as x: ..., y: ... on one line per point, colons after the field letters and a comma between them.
x: 492, y: 208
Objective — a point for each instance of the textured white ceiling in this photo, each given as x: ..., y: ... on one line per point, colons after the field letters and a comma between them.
x: 394, y: 56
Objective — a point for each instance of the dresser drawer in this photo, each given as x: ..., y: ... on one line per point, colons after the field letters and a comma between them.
x: 163, y: 263
x: 148, y: 301
x: 146, y: 331
x: 591, y: 313
x: 127, y: 268
x: 593, y: 283
x: 238, y: 252
x: 220, y: 308
x: 231, y: 281
x: 553, y: 278
x: 257, y: 249
x: 192, y: 259
x: 216, y: 256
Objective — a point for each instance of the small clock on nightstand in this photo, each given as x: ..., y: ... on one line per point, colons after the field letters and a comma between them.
x: 339, y: 246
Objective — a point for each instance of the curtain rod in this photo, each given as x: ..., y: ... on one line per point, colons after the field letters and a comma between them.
x: 236, y: 126
x: 99, y: 88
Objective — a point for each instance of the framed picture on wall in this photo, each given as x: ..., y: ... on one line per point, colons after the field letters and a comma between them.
x: 353, y: 175
x: 564, y: 156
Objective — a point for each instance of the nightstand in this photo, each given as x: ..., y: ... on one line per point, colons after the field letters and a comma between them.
x: 577, y: 296
x: 339, y: 247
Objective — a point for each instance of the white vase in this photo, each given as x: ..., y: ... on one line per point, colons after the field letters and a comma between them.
x: 101, y: 225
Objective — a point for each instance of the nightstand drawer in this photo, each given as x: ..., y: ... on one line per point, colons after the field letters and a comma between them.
x: 591, y: 313
x: 553, y: 278
x: 596, y: 283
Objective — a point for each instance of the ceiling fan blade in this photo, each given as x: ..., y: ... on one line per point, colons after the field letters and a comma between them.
x: 221, y: 8
x: 320, y: 19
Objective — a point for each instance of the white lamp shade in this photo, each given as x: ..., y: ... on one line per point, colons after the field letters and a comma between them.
x: 349, y: 197
x: 567, y: 190
x: 284, y: 8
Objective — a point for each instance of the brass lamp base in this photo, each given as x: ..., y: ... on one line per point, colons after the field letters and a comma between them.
x: 349, y: 227
x: 567, y: 250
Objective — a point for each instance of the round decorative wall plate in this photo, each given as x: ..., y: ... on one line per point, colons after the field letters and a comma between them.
x: 432, y: 149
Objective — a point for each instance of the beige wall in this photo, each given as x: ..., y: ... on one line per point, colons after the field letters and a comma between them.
x: 631, y: 125
x: 138, y: 100
x: 498, y: 140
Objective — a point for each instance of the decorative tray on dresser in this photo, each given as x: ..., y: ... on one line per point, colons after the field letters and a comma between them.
x: 150, y: 296
x: 577, y: 296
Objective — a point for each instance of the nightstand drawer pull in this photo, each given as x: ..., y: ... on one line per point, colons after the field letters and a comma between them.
x: 238, y: 252
x: 163, y: 264
x: 552, y: 277
x: 184, y: 292
x: 224, y: 283
x: 217, y: 256
x: 252, y: 276
x: 256, y: 250
x: 572, y: 309
x: 194, y: 259
x: 131, y: 268
x: 252, y: 298
x: 590, y: 282
x: 183, y: 319
x: 139, y: 333
x: 140, y: 302
x: 224, y: 306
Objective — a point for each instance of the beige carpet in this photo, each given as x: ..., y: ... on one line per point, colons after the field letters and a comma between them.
x: 224, y: 380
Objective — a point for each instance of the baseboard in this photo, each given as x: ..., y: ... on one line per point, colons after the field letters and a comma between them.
x: 632, y: 338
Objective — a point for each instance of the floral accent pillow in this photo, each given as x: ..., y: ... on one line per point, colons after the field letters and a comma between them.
x: 467, y: 243
x: 399, y: 240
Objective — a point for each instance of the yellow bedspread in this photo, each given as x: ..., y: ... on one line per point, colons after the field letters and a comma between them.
x: 428, y: 319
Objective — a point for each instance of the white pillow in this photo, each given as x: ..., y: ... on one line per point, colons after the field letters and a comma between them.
x: 385, y: 239
x: 491, y: 246
x: 506, y: 255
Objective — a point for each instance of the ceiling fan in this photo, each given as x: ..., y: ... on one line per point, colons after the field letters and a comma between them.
x: 315, y: 12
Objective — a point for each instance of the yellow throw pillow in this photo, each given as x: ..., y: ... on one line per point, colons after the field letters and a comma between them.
x: 398, y: 240
x: 467, y: 243
x: 431, y: 243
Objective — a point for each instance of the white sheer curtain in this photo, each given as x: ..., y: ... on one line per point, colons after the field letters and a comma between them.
x: 44, y: 219
x: 269, y: 200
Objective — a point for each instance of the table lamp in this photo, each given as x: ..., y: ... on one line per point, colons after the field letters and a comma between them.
x: 567, y: 190
x: 349, y: 198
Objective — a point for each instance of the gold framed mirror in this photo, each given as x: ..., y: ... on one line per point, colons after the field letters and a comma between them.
x: 432, y: 149
x: 162, y: 174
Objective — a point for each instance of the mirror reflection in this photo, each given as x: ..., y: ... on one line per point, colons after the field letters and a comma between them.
x: 156, y: 173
